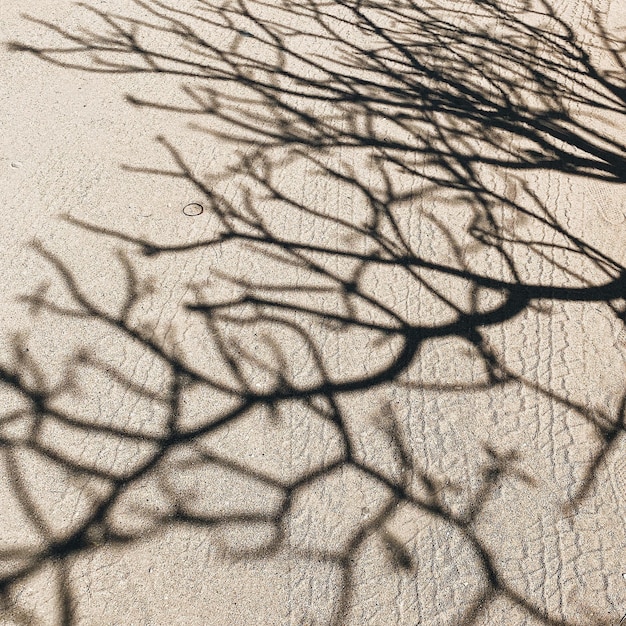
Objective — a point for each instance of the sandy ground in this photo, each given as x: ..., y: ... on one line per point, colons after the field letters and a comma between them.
x: 313, y: 313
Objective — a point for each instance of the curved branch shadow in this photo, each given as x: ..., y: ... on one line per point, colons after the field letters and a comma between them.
x: 383, y: 198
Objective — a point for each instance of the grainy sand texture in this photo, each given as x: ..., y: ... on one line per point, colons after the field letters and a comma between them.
x: 313, y: 313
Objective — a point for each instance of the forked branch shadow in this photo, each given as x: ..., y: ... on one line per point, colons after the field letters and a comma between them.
x: 359, y: 381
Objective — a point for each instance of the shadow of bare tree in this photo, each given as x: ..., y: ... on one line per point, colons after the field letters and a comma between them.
x: 380, y: 367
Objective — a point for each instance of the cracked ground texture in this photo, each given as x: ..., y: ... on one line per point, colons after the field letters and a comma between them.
x: 313, y: 313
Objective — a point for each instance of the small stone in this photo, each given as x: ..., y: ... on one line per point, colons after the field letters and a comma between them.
x: 193, y: 209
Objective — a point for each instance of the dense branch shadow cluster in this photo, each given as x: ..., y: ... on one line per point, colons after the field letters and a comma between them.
x: 379, y: 216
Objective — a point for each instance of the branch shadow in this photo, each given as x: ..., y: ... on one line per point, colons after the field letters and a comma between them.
x: 382, y: 243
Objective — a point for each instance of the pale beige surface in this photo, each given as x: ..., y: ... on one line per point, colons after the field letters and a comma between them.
x: 379, y: 380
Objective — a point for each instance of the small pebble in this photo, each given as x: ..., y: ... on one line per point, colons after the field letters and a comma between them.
x: 193, y: 209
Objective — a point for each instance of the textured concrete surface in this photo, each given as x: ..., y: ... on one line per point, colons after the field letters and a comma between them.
x: 313, y: 313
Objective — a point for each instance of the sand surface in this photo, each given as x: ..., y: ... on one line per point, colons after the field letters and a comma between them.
x: 313, y: 313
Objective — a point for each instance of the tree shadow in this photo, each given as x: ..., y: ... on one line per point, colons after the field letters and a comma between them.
x: 384, y: 266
